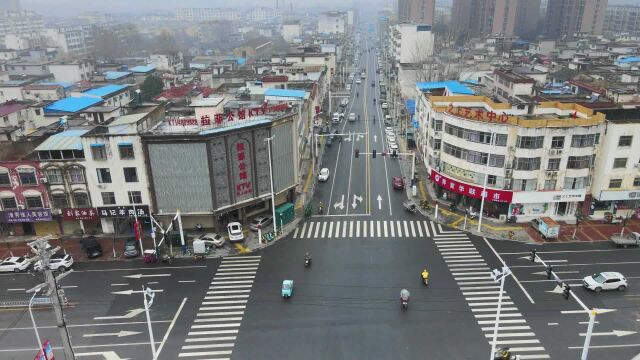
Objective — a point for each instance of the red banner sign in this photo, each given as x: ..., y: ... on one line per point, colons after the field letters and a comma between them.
x: 473, y: 191
x: 79, y: 214
x: 477, y: 114
x: 220, y: 119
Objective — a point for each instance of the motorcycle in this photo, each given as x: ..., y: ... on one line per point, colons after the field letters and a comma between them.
x: 425, y: 278
x: 404, y: 298
x: 307, y: 262
x: 320, y: 208
x: 504, y: 354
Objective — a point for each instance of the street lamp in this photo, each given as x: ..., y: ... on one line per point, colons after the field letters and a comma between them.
x: 33, y: 321
x: 273, y: 199
x: 483, y: 195
x: 147, y: 292
x: 498, y: 275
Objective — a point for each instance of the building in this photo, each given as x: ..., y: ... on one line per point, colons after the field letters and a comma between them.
x: 75, y: 40
x: 506, y: 85
x: 207, y: 14
x: 72, y: 71
x: 622, y: 18
x: 419, y: 11
x: 17, y: 115
x: 485, y: 17
x: 527, y: 18
x: 22, y: 24
x: 537, y: 158
x: 172, y: 63
x: 569, y: 17
x: 411, y: 43
x: 332, y: 22
x: 291, y: 30
x: 111, y: 95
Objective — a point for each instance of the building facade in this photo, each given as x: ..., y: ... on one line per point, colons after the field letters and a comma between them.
x: 622, y: 18
x: 419, y: 11
x: 332, y: 22
x: 568, y: 17
x: 488, y: 17
x: 411, y: 43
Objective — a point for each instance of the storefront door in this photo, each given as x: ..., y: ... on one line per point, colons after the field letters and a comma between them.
x: 28, y: 229
x: 562, y: 208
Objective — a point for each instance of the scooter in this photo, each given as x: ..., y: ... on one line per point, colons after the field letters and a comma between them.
x: 505, y: 354
x: 404, y: 303
x: 425, y: 280
x: 307, y: 262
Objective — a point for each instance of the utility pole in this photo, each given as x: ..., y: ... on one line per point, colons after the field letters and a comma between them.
x: 39, y: 247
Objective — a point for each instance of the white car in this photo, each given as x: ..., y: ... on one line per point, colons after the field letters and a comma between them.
x: 215, y: 239
x: 358, y: 81
x: 344, y: 102
x: 352, y: 117
x: 384, y: 104
x: 348, y: 87
x: 391, y: 138
x: 235, y: 231
x: 609, y: 280
x: 14, y: 263
x: 389, y: 133
x: 57, y: 262
x: 324, y: 175
x: 388, y: 129
x: 393, y: 146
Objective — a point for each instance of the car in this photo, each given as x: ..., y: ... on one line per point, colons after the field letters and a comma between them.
x: 388, y: 129
x: 60, y: 262
x: 287, y: 289
x: 385, y: 105
x: 393, y: 146
x: 348, y: 87
x: 344, y: 102
x: 391, y: 138
x: 323, y: 175
x: 363, y: 75
x: 335, y: 119
x: 389, y: 133
x: 14, y: 263
x: 609, y: 280
x: 260, y: 221
x: 352, y: 117
x: 329, y: 142
x: 341, y: 114
x: 397, y: 182
x: 373, y: 84
x: 91, y: 246
x: 213, y: 238
x: 131, y: 248
x: 235, y: 231
x: 358, y: 81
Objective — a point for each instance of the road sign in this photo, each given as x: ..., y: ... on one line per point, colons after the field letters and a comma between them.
x: 46, y: 349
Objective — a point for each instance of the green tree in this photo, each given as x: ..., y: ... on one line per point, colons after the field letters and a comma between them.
x: 151, y: 87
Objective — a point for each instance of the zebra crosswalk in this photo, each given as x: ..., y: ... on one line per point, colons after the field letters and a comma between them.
x: 473, y: 276
x: 214, y: 331
x: 366, y: 228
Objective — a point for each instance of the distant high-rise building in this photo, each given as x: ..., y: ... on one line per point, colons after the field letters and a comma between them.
x: 421, y: 11
x: 491, y: 17
x: 567, y: 17
x: 527, y: 18
x: 622, y: 19
x: 9, y: 5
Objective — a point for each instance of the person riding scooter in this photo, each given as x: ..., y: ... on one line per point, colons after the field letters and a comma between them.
x: 425, y: 276
x: 307, y: 259
x: 320, y: 207
x: 404, y: 298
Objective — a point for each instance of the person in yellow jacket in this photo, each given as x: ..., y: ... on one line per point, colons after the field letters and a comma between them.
x: 425, y: 276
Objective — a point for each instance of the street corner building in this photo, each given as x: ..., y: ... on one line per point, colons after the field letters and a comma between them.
x: 221, y: 173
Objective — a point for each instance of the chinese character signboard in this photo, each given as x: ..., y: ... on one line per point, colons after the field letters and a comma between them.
x: 478, y: 114
x: 32, y: 215
x: 224, y: 119
x: 473, y: 191
x: 79, y: 214
x: 123, y: 211
x: 241, y: 160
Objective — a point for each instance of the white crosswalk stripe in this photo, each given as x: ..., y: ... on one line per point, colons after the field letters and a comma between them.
x: 473, y: 276
x: 214, y: 331
x: 339, y: 229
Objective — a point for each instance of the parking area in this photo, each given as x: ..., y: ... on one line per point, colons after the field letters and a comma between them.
x: 587, y: 230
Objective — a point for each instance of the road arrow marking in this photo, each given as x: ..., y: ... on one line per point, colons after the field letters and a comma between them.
x: 130, y: 314
x: 546, y: 261
x: 107, y: 355
x: 138, y: 276
x: 375, y: 138
x: 555, y: 272
x: 379, y: 202
x: 118, y: 334
x: 559, y: 290
x: 129, y: 292
x: 598, y: 311
x: 359, y: 136
x: 339, y: 204
x: 355, y: 197
x: 617, y: 333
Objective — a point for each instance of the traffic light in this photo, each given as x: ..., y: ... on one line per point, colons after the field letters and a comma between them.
x: 374, y: 153
x: 533, y: 255
x: 566, y: 291
x: 357, y: 153
x: 549, y: 272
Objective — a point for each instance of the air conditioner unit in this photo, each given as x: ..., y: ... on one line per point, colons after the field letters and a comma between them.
x: 20, y: 207
x: 102, y: 186
x: 436, y: 153
x: 552, y: 173
x: 636, y: 166
x: 44, y: 180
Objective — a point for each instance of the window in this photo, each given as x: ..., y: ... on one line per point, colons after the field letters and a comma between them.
x: 37, y: 111
x: 437, y: 144
x: 9, y: 203
x: 557, y: 142
x: 59, y: 200
x: 619, y: 163
x: 529, y: 142
x: 576, y: 183
x: 135, y: 197
x: 553, y: 165
x: 108, y: 198
x: 581, y: 141
x: 579, y: 162
x: 130, y: 174
x: 27, y: 177
x: 126, y: 152
x: 5, y: 180
x: 492, y: 179
x: 636, y: 181
x: 527, y: 164
x: 54, y: 176
x: 81, y: 199
x: 625, y: 140
x: 525, y: 184
x: 76, y: 175
x: 104, y: 175
x: 99, y: 152
x: 550, y: 184
x: 33, y: 202
x: 615, y: 183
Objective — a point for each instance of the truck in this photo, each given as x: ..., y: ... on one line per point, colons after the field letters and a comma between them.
x: 547, y: 227
x: 625, y: 240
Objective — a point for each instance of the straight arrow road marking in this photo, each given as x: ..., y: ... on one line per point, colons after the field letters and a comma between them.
x: 138, y: 276
x: 598, y: 311
x: 129, y: 292
x: 130, y: 314
x: 379, y: 202
x: 118, y: 334
x: 546, y: 261
x: 617, y: 333
x: 556, y: 272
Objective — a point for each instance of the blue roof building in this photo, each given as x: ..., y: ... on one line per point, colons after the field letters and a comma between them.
x: 143, y: 69
x: 105, y: 91
x: 72, y: 105
x: 116, y: 75
x: 452, y: 87
x: 285, y: 93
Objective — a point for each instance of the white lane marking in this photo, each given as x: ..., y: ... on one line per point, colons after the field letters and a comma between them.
x: 207, y: 346
x: 471, y: 269
x: 310, y: 230
x: 218, y: 319
x: 455, y: 267
x: 344, y: 227
x: 517, y: 341
x: 413, y: 230
x: 215, y: 308
x: 386, y: 232
x: 226, y: 275
x: 502, y: 321
x: 233, y: 280
x: 141, y: 269
x: 204, y: 353
x: 224, y: 302
x: 392, y: 228
x: 295, y: 233
x: 476, y: 282
x: 399, y: 228
x: 479, y: 287
x: 324, y: 228
x: 433, y: 228
x: 337, y: 228
x: 490, y: 303
x: 357, y: 228
x: 330, y: 235
x: 21, y: 289
x: 426, y: 228
x: 219, y: 313
x: 373, y: 231
x: 236, y: 291
x: 364, y: 228
x: 447, y: 242
x: 419, y: 229
x: 406, y: 228
x: 304, y: 227
x: 505, y: 315
x: 223, y: 271
x: 226, y: 297
x: 512, y: 275
x: 212, y: 338
x: 378, y: 228
x: 215, y: 326
x: 526, y: 327
x: 351, y: 228
x: 173, y: 322
x: 119, y: 284
x: 229, y: 286
x: 186, y: 281
x: 315, y: 234
x: 477, y: 298
x: 493, y: 309
x: 481, y: 292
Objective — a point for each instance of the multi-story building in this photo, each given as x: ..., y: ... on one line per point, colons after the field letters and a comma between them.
x: 622, y: 18
x: 207, y: 14
x: 291, y: 30
x: 568, y: 17
x: 489, y: 17
x: 527, y: 17
x: 75, y: 40
x: 419, y: 11
x: 172, y: 63
x: 23, y: 24
x: 332, y: 22
x: 72, y: 71
x: 536, y: 159
x: 411, y: 43
x: 507, y: 84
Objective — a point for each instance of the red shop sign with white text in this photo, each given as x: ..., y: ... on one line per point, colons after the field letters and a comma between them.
x: 470, y: 190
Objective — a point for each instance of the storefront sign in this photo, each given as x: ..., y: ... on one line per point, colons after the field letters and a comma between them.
x: 123, y: 211
x: 619, y: 195
x: 472, y: 191
x: 243, y: 169
x: 220, y: 119
x: 539, y: 197
x: 79, y: 214
x: 34, y: 215
x: 478, y: 114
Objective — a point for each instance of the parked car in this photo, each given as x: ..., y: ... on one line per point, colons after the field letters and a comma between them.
x: 344, y: 102
x: 235, y: 231
x: 324, y: 174
x: 625, y: 240
x: 388, y: 129
x: 393, y: 146
x: 384, y: 104
x: 213, y: 238
x: 398, y: 183
x: 391, y: 138
x: 609, y: 280
x: 131, y: 248
x: 15, y: 264
x: 329, y: 141
x: 60, y: 262
x: 91, y: 246
x: 547, y: 227
x: 260, y: 220
x: 352, y: 117
x: 358, y: 81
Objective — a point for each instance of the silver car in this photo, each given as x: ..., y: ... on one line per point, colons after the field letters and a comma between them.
x: 260, y: 221
x: 216, y: 239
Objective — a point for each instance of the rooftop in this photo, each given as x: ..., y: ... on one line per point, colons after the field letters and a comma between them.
x: 106, y: 90
x: 72, y: 104
x: 10, y: 107
x: 142, y: 69
x: 66, y: 140
x: 207, y: 102
x: 513, y: 76
x: 298, y: 94
x: 115, y: 75
x: 128, y: 119
x: 453, y: 87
